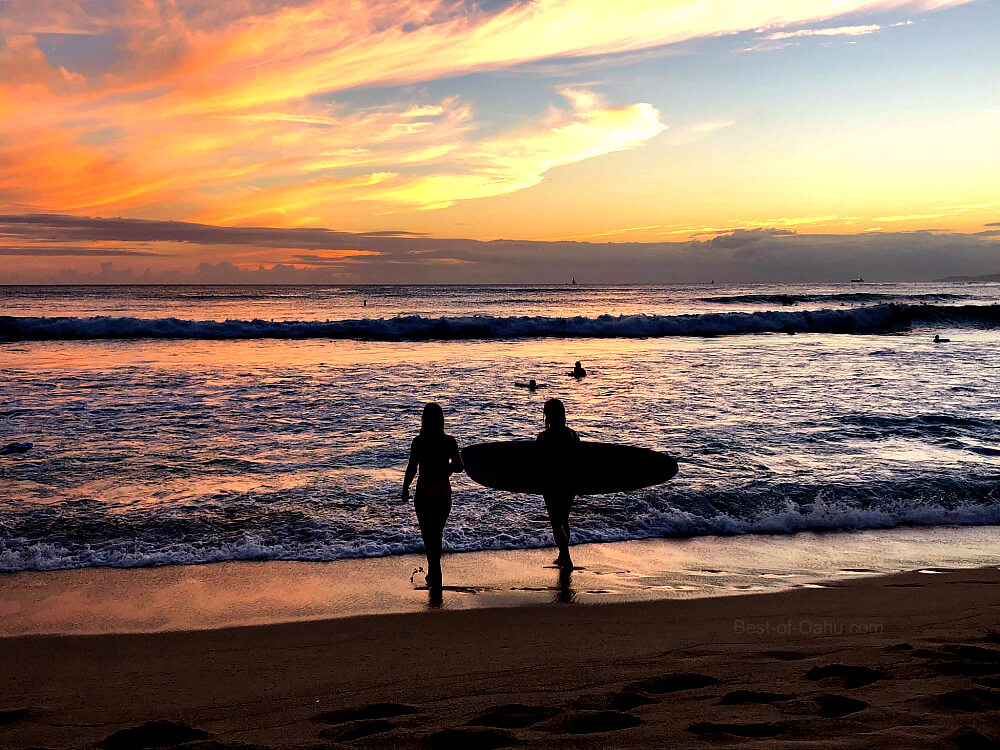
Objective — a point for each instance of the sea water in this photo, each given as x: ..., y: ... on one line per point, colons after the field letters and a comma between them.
x: 191, y: 424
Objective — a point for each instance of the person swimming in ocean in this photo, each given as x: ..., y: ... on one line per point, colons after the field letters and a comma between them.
x: 939, y: 340
x: 434, y: 457
x: 12, y: 448
x: 558, y: 446
x: 578, y: 371
x: 531, y: 385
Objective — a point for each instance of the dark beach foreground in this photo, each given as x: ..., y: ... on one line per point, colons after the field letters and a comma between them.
x: 904, y: 661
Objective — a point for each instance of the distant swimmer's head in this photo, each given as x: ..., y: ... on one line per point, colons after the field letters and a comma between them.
x: 555, y: 413
x: 532, y: 384
x: 578, y: 365
x: 432, y: 421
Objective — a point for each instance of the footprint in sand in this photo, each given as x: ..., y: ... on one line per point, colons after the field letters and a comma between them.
x: 970, y: 738
x: 594, y: 722
x: 974, y: 653
x: 471, y: 738
x: 829, y: 706
x: 671, y: 683
x: 513, y: 716
x: 152, y: 734
x: 355, y: 730
x: 961, y: 659
x: 971, y: 699
x: 834, y: 706
x: 10, y: 715
x: 853, y: 677
x: 615, y: 701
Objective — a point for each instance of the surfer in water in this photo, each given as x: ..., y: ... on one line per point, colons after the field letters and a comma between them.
x: 558, y: 446
x: 578, y: 371
x: 435, y: 454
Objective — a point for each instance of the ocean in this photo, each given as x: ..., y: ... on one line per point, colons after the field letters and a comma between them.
x: 177, y: 425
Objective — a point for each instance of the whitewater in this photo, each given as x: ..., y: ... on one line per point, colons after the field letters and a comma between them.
x: 182, y: 425
x: 875, y: 318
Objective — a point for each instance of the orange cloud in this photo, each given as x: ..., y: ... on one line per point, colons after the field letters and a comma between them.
x: 494, y: 167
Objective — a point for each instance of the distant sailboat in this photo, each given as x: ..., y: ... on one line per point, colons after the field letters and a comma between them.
x: 574, y: 281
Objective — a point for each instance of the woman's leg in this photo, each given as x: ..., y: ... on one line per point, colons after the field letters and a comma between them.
x: 432, y: 514
x: 432, y: 547
x: 558, y: 508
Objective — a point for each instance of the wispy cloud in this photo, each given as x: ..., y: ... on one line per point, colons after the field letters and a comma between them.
x: 79, y: 252
x: 462, y: 170
x: 834, y: 31
x: 776, y: 40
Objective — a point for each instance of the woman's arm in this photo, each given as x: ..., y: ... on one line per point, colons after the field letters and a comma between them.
x: 411, y: 471
x: 456, y: 458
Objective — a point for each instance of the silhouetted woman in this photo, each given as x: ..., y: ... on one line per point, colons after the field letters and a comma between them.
x: 436, y: 456
x: 558, y: 446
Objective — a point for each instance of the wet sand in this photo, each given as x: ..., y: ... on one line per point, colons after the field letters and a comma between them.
x: 906, y: 661
x: 231, y: 594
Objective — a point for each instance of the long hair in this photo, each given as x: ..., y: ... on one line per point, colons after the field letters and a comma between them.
x: 432, y: 421
x: 555, y: 413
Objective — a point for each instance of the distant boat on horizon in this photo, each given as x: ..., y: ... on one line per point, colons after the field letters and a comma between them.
x: 858, y: 280
x: 574, y: 281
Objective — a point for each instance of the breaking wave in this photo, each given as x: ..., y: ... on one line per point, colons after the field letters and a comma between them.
x: 870, y: 319
x: 251, y: 528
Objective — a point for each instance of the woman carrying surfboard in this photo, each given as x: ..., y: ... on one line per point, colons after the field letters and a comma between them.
x: 435, y: 455
x: 558, y: 447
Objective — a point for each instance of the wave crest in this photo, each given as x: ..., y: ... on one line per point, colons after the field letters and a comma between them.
x: 870, y: 319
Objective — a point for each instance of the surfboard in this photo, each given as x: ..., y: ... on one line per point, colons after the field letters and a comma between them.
x: 597, y: 468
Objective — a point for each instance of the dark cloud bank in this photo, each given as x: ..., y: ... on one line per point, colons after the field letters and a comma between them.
x: 758, y: 255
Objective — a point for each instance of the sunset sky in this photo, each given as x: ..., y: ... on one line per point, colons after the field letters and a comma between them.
x: 363, y: 140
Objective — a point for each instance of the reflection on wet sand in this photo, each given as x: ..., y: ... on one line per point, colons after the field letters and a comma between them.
x: 196, y: 597
x: 565, y: 593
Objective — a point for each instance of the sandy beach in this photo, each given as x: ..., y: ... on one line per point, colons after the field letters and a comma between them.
x: 904, y: 661
x: 476, y: 374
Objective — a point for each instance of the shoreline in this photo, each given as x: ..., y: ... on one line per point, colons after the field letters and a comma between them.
x: 214, y: 596
x: 908, y: 660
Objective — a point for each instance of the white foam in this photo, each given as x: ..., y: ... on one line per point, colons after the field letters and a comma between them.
x: 666, y: 520
x: 872, y: 318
